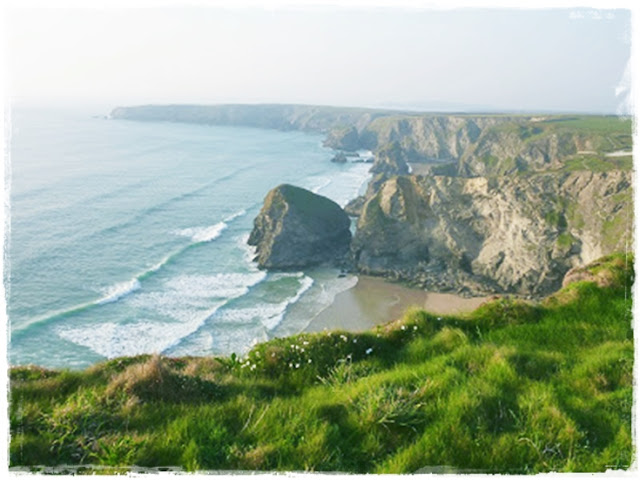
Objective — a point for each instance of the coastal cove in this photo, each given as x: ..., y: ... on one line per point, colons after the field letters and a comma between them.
x: 147, y: 212
x: 161, y: 339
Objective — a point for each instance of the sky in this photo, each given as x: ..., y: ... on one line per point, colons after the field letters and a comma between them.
x: 448, y: 60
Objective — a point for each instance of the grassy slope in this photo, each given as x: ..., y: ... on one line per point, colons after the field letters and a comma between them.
x: 512, y: 387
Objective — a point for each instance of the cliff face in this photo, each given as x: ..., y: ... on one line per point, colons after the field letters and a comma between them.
x: 297, y: 228
x: 498, y: 145
x: 479, y: 235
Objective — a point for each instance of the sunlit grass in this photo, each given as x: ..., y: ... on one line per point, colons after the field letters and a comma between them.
x: 513, y: 387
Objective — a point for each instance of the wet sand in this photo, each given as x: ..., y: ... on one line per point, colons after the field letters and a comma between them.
x: 374, y: 301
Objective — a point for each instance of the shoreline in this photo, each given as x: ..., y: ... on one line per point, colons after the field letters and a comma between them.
x: 374, y: 301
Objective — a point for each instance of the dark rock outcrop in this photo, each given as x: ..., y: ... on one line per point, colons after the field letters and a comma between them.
x: 297, y: 228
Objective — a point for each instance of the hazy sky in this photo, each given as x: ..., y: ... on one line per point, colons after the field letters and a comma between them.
x: 570, y: 60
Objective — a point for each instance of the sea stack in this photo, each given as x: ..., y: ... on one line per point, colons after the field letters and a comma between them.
x: 297, y: 228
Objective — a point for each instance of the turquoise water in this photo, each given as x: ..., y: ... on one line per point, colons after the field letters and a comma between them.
x: 129, y: 238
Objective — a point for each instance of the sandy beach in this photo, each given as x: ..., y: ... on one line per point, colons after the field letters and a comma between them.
x: 374, y: 301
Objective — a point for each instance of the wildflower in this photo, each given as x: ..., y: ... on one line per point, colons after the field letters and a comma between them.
x: 369, y: 350
x: 309, y: 361
x: 305, y: 343
x: 403, y: 327
x: 253, y: 367
x: 302, y: 349
x: 273, y: 354
x: 297, y: 365
x: 439, y: 319
x: 355, y: 340
x: 291, y: 365
x: 415, y: 327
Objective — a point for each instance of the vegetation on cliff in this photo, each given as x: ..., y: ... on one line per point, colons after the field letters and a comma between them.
x: 513, y: 387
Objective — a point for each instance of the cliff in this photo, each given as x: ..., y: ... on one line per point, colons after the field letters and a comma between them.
x: 516, y: 234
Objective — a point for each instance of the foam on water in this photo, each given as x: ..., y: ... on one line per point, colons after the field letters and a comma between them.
x: 249, y: 251
x: 209, y: 233
x: 184, y: 297
x: 203, y: 234
x: 318, y: 297
x: 119, y: 290
x: 268, y: 314
x: 178, y: 310
x: 322, y: 183
x: 344, y: 185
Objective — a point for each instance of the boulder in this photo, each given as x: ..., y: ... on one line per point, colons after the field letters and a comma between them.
x: 297, y: 228
x: 339, y: 157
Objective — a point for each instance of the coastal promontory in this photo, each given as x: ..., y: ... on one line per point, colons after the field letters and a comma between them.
x: 297, y: 228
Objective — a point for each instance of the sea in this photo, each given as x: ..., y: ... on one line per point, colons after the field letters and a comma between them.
x: 127, y: 238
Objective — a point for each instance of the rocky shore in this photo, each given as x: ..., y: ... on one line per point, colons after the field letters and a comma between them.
x: 471, y: 204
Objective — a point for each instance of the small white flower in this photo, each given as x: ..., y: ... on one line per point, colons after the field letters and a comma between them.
x: 305, y: 343
x: 253, y: 367
x: 273, y: 354
x: 355, y: 340
x: 439, y: 319
x: 403, y: 327
x: 291, y: 365
x: 297, y: 365
x: 309, y: 361
x: 302, y: 349
x: 369, y: 350
x: 415, y: 327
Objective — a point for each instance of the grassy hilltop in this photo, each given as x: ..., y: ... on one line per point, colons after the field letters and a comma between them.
x: 513, y: 387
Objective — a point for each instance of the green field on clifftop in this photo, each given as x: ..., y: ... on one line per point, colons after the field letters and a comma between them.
x: 513, y: 387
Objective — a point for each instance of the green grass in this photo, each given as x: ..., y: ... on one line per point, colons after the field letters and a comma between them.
x: 597, y: 164
x: 606, y: 124
x: 513, y: 387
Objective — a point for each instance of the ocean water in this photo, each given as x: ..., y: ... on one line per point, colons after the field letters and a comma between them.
x: 128, y: 237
